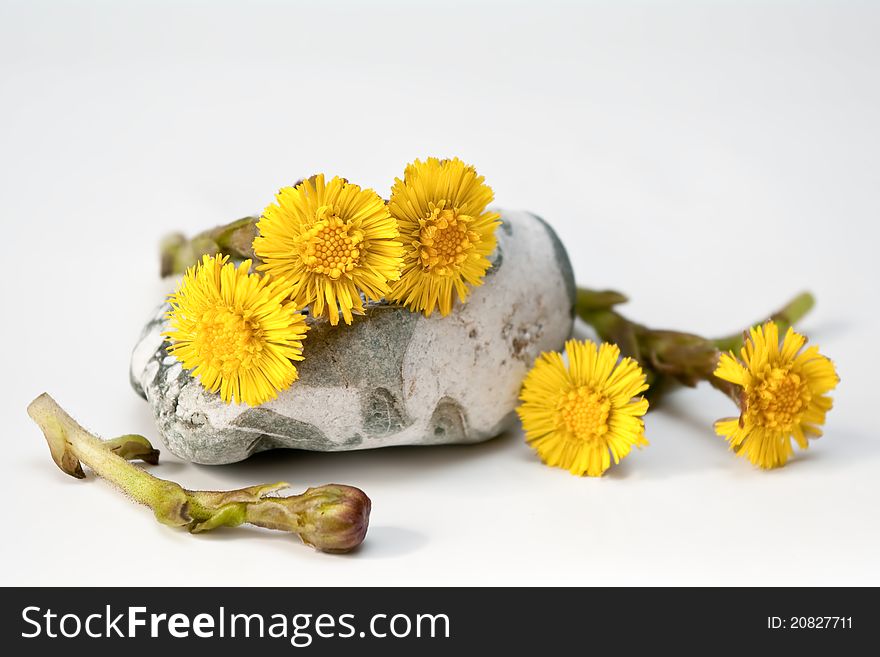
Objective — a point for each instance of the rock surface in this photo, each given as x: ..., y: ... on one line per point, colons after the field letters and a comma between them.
x: 391, y: 378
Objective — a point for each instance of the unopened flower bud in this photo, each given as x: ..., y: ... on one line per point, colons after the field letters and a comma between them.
x: 331, y: 518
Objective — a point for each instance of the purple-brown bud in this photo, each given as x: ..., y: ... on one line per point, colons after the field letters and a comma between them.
x: 330, y: 518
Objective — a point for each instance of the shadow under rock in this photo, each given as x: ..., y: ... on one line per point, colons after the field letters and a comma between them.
x: 362, y: 466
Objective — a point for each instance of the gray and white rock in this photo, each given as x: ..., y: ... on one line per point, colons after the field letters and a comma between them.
x: 393, y: 377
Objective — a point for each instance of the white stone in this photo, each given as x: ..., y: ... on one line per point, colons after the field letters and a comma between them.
x: 391, y: 378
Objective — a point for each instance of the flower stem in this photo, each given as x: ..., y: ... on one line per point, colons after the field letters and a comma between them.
x: 235, y: 239
x: 331, y: 518
x: 671, y: 358
x: 785, y: 317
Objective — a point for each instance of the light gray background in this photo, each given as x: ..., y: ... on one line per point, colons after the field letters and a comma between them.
x: 710, y: 159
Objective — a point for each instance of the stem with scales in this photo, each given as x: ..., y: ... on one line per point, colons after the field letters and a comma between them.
x: 672, y: 358
x: 331, y: 518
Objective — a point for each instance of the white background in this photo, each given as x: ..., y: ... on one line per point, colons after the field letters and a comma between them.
x: 710, y: 159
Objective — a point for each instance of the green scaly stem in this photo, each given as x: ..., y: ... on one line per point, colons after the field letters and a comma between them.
x: 331, y: 518
x: 672, y: 358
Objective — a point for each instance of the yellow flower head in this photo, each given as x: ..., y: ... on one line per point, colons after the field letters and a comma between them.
x: 783, y: 395
x: 440, y: 206
x: 331, y: 242
x: 582, y: 415
x: 236, y: 331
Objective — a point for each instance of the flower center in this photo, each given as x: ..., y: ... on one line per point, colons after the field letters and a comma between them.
x: 226, y: 341
x: 778, y: 401
x: 331, y: 246
x: 583, y: 412
x: 445, y: 240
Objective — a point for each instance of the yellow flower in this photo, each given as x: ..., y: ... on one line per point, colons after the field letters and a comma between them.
x: 440, y: 206
x: 581, y: 416
x: 331, y: 242
x: 783, y: 395
x: 236, y: 331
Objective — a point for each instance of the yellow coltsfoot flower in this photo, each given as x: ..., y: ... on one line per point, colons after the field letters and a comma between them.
x: 330, y: 242
x: 236, y: 331
x: 582, y: 415
x: 783, y: 395
x: 440, y: 207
